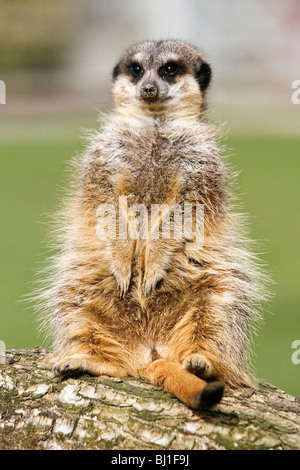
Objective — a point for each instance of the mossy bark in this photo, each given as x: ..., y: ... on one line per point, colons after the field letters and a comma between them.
x: 40, y: 411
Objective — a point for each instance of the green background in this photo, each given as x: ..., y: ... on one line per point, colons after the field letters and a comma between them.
x: 32, y: 176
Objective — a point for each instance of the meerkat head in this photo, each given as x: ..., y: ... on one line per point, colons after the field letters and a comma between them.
x: 161, y: 77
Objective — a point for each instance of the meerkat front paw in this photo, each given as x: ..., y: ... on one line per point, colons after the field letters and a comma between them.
x: 198, y: 365
x: 151, y: 279
x: 72, y: 365
x: 121, y: 263
x: 122, y: 275
x: 77, y: 364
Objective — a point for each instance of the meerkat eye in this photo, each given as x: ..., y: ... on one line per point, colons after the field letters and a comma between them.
x: 136, y: 69
x: 170, y: 70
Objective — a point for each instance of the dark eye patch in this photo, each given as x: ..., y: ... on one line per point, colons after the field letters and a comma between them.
x: 116, y: 71
x: 135, y: 70
x: 170, y: 70
x: 203, y: 76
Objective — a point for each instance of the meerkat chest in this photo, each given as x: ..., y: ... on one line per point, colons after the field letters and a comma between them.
x: 154, y: 170
x: 157, y: 159
x: 153, y: 165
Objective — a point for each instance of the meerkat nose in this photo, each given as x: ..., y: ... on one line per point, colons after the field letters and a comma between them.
x: 149, y: 91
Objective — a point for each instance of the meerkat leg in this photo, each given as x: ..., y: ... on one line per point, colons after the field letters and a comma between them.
x: 172, y: 227
x: 159, y: 252
x: 158, y: 258
x: 121, y: 263
x: 81, y: 363
x: 119, y: 229
x: 87, y: 346
x: 77, y: 363
x: 191, y: 390
x: 203, y: 346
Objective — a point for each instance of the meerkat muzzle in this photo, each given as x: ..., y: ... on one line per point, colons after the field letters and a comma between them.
x: 149, y: 91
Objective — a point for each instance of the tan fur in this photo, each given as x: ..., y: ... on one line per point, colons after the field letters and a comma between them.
x: 144, y: 307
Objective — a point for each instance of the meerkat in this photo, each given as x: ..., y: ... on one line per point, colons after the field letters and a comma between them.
x: 153, y: 307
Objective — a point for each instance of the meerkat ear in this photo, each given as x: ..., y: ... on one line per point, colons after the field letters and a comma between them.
x: 116, y: 71
x: 203, y: 76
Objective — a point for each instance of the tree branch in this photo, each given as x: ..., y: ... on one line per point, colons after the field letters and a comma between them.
x: 40, y: 411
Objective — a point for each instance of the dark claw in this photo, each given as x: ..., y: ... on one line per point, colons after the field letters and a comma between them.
x: 61, y: 369
x: 201, y: 367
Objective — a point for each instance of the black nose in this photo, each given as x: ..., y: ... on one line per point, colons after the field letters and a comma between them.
x: 149, y: 90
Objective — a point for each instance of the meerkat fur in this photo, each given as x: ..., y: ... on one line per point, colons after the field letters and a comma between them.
x: 149, y: 307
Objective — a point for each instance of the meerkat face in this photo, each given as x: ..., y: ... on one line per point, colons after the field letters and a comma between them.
x: 161, y: 77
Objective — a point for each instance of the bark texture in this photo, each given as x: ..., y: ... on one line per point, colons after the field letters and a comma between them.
x: 40, y: 411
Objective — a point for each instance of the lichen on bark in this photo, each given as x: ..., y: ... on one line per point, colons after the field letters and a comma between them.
x: 40, y: 411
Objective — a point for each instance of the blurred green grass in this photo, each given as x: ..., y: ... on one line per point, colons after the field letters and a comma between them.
x: 30, y: 182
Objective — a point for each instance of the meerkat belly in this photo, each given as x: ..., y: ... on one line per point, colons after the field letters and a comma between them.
x: 153, y: 178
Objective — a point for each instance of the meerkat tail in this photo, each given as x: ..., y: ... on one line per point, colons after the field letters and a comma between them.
x: 187, y: 387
